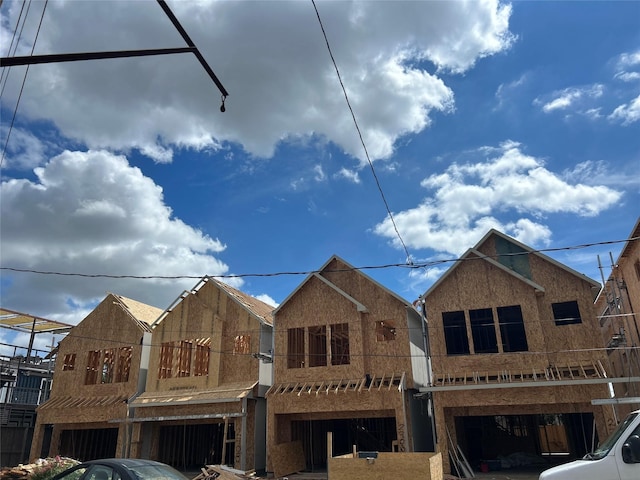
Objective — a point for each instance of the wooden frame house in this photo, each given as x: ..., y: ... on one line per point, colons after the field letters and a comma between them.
x: 210, y: 367
x: 349, y: 356
x: 617, y: 306
x: 101, y: 365
x: 517, y: 358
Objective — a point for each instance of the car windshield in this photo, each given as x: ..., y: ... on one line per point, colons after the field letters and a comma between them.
x: 605, y: 447
x: 157, y: 472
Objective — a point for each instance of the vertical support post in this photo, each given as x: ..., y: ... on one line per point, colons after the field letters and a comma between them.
x: 224, y: 440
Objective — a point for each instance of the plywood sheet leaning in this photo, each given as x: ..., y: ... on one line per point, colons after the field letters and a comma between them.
x: 287, y: 458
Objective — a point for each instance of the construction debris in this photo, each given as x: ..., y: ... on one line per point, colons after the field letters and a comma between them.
x: 222, y: 472
x: 40, y: 466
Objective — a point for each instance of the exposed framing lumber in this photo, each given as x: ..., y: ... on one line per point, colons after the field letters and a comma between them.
x: 537, y: 384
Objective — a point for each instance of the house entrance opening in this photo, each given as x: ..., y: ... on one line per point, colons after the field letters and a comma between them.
x: 521, y: 441
x: 89, y: 444
x: 367, y: 434
x: 189, y: 447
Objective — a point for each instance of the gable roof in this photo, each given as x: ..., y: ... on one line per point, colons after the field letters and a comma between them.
x: 546, y: 258
x: 256, y: 308
x: 472, y: 252
x: 261, y: 310
x: 318, y: 274
x: 493, y: 232
x: 143, y: 314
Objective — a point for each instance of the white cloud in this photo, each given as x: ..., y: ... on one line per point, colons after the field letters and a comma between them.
x: 629, y: 59
x: 24, y: 149
x: 627, y: 113
x: 628, y: 76
x: 319, y: 173
x: 347, y: 174
x: 267, y: 299
x: 468, y: 199
x: 272, y: 59
x: 628, y: 67
x: 568, y: 97
x: 91, y: 212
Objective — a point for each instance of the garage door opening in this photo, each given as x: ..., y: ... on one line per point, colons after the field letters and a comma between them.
x: 367, y: 434
x: 189, y: 447
x: 89, y: 444
x: 522, y: 441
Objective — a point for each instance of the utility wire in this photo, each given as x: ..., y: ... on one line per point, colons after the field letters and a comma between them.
x: 3, y: 77
x: 309, y: 272
x: 24, y: 80
x: 366, y: 152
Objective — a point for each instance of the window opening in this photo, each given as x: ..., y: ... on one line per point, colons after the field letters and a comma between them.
x: 566, y: 313
x: 455, y: 333
x: 108, y: 363
x: 124, y: 364
x: 203, y: 351
x: 318, y: 346
x: 166, y: 360
x: 184, y: 358
x: 93, y: 364
x: 514, y: 337
x: 242, y: 345
x: 295, y: 348
x: 483, y: 331
x: 340, y: 344
x: 69, y: 362
x: 385, y: 331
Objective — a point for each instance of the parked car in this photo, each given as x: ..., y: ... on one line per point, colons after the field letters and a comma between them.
x: 120, y: 469
x: 617, y: 458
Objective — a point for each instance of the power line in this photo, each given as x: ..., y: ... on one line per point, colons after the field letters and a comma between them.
x: 412, y: 266
x: 192, y: 346
x: 366, y: 152
x: 24, y: 80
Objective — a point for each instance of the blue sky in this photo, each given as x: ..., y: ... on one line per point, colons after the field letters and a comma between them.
x: 518, y: 116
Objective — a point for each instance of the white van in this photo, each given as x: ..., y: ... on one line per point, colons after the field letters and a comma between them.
x: 617, y: 458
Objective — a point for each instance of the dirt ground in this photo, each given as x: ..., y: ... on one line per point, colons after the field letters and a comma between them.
x: 508, y: 475
x: 531, y: 474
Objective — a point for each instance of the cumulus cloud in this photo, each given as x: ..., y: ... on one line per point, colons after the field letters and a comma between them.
x: 627, y: 113
x: 267, y: 299
x: 468, y: 199
x: 93, y: 213
x: 628, y: 67
x: 568, y: 97
x: 272, y: 59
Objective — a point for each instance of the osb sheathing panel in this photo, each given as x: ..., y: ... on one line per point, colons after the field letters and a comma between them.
x: 399, y: 466
x: 316, y: 303
x: 287, y: 458
x: 524, y: 397
x: 478, y: 284
x: 331, y: 402
x: 82, y: 414
x: 107, y: 326
x: 209, y: 313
